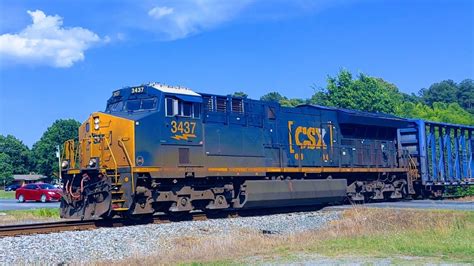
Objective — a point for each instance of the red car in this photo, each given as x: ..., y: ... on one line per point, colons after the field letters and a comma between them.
x: 38, y: 191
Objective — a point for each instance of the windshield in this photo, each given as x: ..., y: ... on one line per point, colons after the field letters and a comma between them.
x: 115, y: 107
x: 47, y: 186
x: 141, y: 104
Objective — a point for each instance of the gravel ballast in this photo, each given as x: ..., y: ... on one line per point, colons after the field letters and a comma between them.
x: 114, y: 244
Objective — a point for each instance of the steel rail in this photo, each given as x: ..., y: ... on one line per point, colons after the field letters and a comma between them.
x: 42, y: 228
x: 78, y: 225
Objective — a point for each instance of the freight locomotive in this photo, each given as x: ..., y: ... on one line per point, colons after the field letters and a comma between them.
x: 158, y: 148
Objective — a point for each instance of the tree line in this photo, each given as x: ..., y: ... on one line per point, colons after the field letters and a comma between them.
x: 17, y: 158
x: 445, y: 101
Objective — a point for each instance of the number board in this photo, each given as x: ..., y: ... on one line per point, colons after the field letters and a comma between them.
x: 183, y: 130
x: 138, y: 90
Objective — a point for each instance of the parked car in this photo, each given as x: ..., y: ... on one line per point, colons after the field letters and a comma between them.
x: 39, y: 192
x: 12, y: 187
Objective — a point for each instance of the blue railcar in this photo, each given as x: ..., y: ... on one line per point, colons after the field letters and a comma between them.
x: 443, y: 153
x: 161, y: 148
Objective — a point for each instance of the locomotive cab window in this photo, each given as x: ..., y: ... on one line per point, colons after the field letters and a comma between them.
x: 141, y: 104
x: 175, y: 107
x: 133, y: 105
x: 186, y: 109
x: 114, y: 107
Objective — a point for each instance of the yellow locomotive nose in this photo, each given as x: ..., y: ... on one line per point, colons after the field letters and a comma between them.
x: 106, y: 142
x: 91, y: 168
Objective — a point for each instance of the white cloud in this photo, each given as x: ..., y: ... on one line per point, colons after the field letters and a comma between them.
x: 179, y: 19
x: 46, y: 42
x: 160, y: 11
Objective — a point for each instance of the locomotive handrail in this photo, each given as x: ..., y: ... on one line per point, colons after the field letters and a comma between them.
x: 79, y: 150
x: 122, y: 145
x: 69, y: 153
x: 113, y: 158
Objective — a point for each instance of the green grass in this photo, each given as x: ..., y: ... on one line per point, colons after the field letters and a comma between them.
x: 34, y: 213
x: 463, y: 191
x: 362, y: 234
x: 454, y: 243
x: 7, y: 194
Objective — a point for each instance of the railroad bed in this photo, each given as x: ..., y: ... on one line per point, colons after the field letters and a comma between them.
x: 112, y: 244
x: 78, y: 225
x: 75, y: 225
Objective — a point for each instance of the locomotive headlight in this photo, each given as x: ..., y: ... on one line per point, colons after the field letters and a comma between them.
x: 96, y: 123
x: 64, y: 164
x: 92, y: 162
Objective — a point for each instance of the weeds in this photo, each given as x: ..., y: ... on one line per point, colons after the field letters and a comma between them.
x: 19, y: 216
x: 7, y: 194
x: 460, y: 191
x: 446, y: 235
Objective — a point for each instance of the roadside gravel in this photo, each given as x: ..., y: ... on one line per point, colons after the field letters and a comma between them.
x: 114, y: 244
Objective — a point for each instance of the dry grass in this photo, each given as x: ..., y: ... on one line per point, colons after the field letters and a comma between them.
x: 363, y: 231
x: 213, y: 248
x: 363, y: 221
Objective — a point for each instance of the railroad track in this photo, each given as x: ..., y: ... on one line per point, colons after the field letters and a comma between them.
x: 78, y: 225
x: 42, y: 228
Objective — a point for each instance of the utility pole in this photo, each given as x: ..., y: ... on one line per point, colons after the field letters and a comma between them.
x: 58, y: 154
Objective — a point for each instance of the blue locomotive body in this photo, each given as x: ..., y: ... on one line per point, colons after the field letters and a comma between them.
x: 247, y: 136
x: 171, y: 149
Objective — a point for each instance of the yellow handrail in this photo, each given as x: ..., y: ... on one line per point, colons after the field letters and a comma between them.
x: 129, y: 162
x: 113, y: 158
x: 69, y: 153
x: 79, y: 148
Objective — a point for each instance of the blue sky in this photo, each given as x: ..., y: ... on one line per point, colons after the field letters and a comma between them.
x: 63, y: 59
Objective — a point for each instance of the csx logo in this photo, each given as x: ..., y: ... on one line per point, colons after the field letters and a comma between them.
x: 305, y: 137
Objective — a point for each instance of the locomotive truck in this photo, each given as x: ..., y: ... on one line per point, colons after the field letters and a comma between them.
x: 158, y: 148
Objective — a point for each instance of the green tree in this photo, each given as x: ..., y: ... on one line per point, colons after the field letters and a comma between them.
x: 18, y: 153
x: 466, y: 95
x: 6, y: 169
x: 272, y: 97
x: 282, y: 100
x: 413, y: 98
x: 292, y: 102
x: 44, y: 150
x: 320, y: 98
x: 445, y: 91
x: 240, y: 94
x: 363, y: 93
x: 440, y: 112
